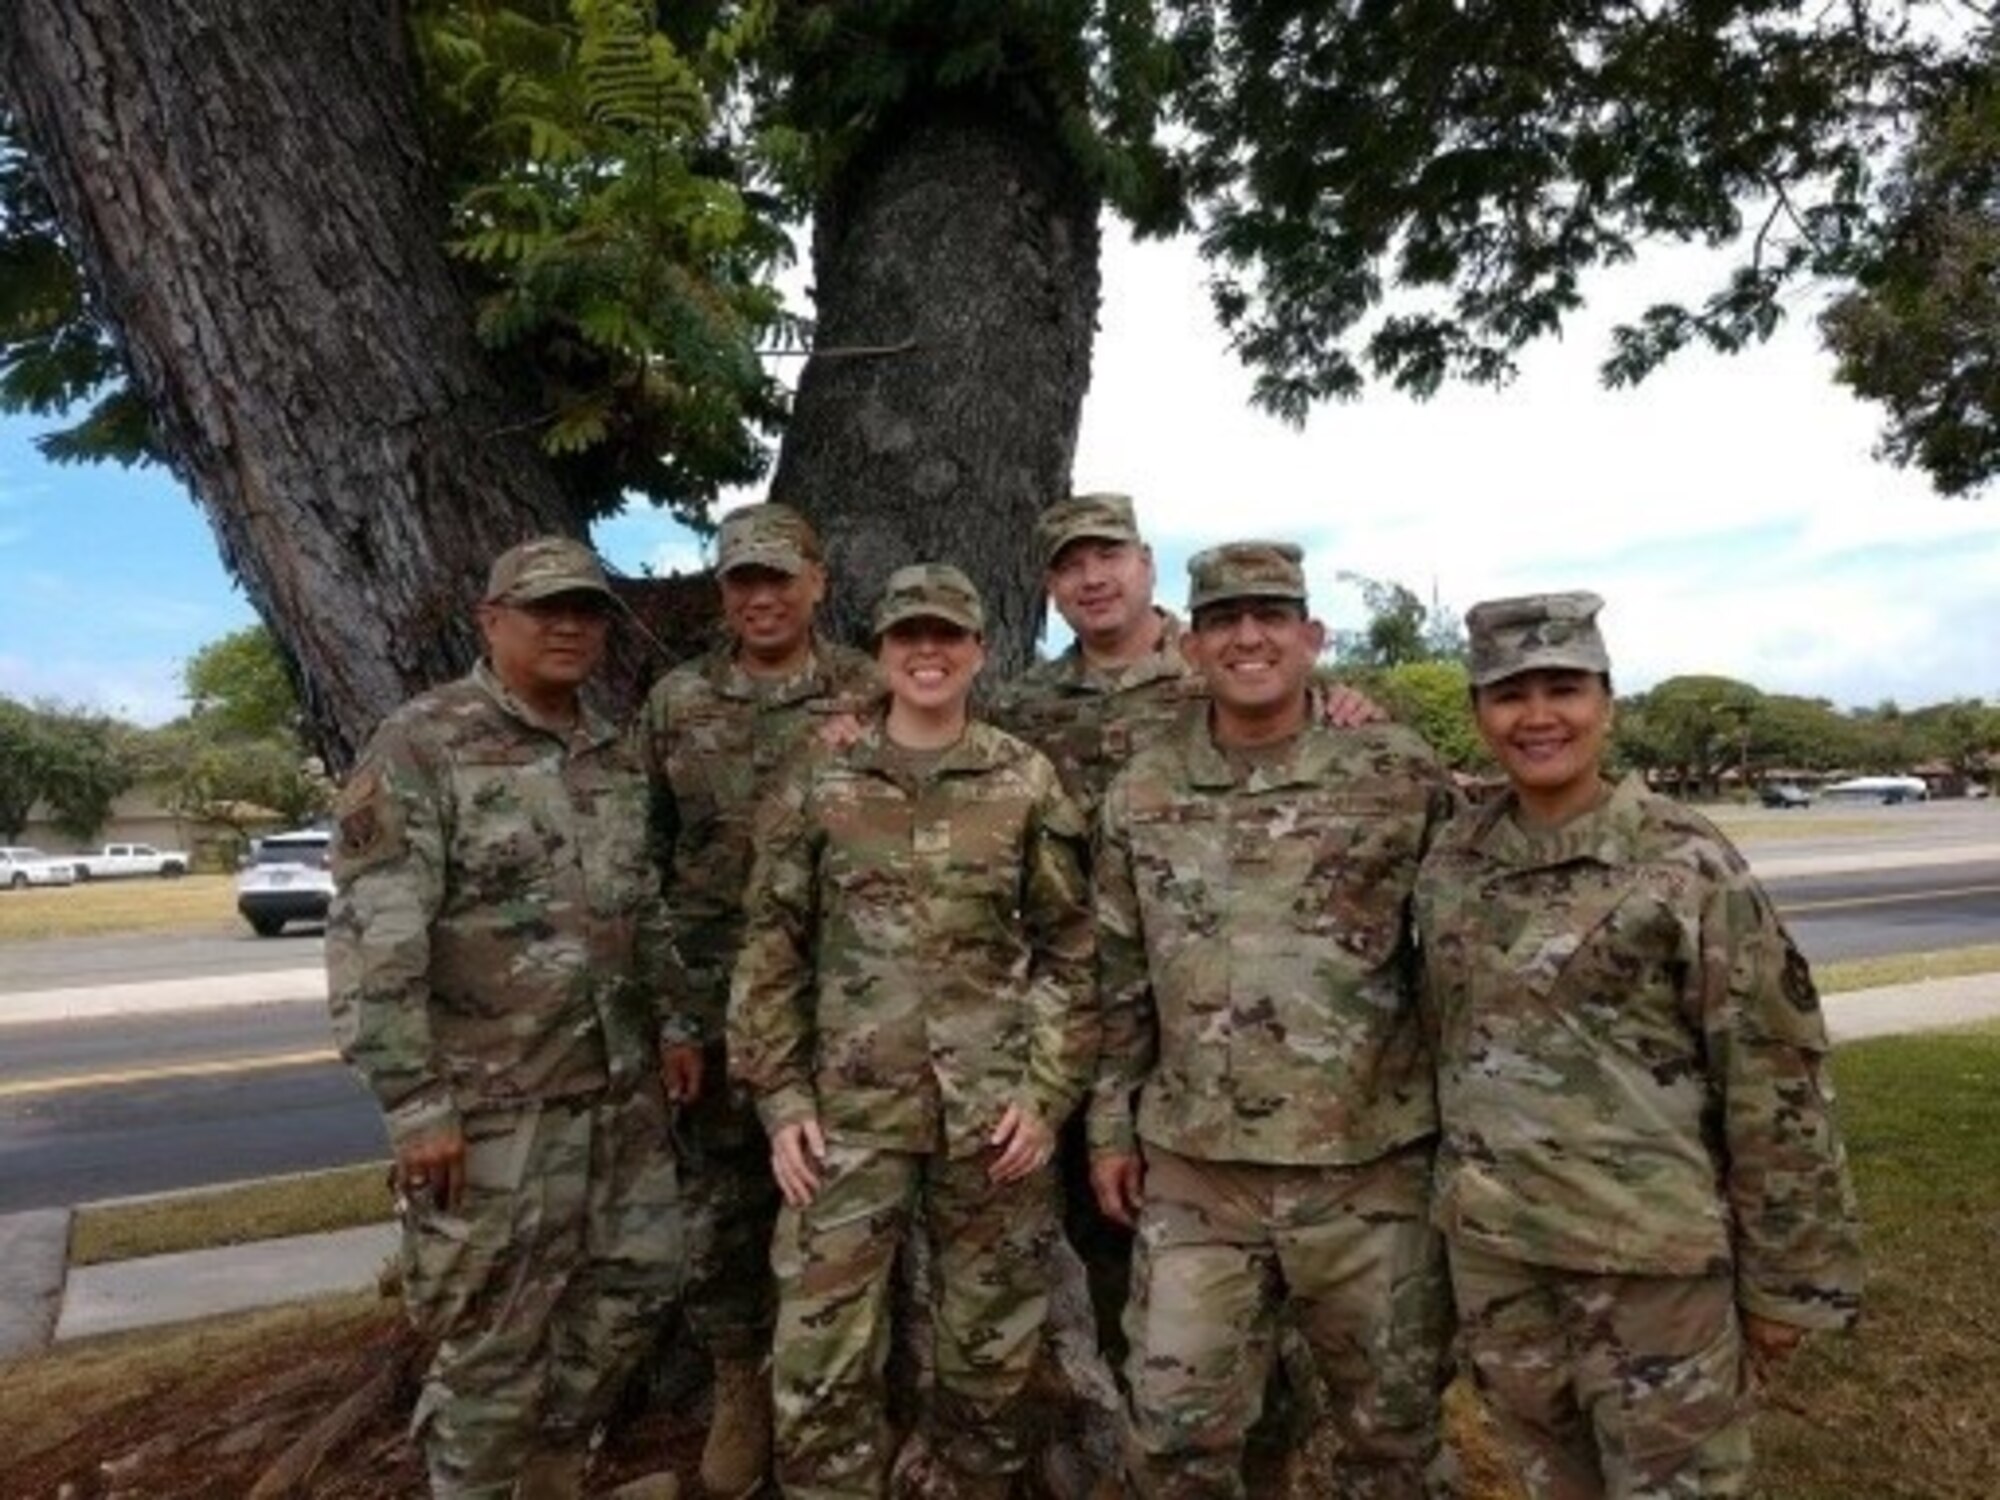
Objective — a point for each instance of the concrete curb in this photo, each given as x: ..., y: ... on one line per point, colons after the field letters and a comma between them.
x: 1857, y: 1015
x: 1768, y: 862
x: 159, y: 996
x: 179, y: 1288
x: 34, y: 1257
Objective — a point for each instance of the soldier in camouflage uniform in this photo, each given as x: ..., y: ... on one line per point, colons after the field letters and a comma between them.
x: 501, y: 978
x: 1123, y: 683
x: 1257, y: 981
x: 913, y: 1011
x: 1639, y: 1178
x: 716, y: 730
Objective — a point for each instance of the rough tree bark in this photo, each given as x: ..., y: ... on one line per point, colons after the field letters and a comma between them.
x: 246, y: 186
x: 956, y: 279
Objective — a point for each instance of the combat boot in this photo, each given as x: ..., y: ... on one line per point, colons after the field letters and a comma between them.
x: 552, y: 1475
x: 737, y: 1456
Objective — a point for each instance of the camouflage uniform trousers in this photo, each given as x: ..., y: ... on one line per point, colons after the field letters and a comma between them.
x: 1223, y: 1247
x: 833, y: 1261
x: 732, y: 1208
x: 1630, y: 1387
x: 545, y: 1287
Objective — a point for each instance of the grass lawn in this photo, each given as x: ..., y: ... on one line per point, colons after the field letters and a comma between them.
x: 1907, y: 1407
x: 1756, y: 825
x: 193, y: 903
x: 265, y: 1210
x: 1902, y: 1410
x: 1906, y: 968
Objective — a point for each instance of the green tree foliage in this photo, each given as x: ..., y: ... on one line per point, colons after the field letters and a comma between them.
x: 238, y: 686
x: 1882, y: 739
x: 1476, y: 159
x: 245, y: 783
x: 1410, y: 191
x: 1964, y: 734
x: 73, y: 762
x: 20, y: 768
x: 237, y: 757
x: 1791, y: 733
x: 1690, y: 728
x: 1434, y: 698
x: 55, y: 353
x: 1920, y: 331
x: 623, y: 272
x: 1400, y: 629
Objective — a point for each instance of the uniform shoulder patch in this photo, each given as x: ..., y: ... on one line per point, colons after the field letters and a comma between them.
x: 365, y: 816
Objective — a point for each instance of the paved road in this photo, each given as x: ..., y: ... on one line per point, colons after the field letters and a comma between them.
x: 1875, y: 913
x: 98, y: 1109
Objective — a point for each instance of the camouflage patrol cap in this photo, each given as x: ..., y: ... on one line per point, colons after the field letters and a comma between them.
x: 1246, y: 570
x: 930, y: 591
x: 766, y: 536
x: 542, y: 568
x: 1512, y: 636
x: 1102, y: 517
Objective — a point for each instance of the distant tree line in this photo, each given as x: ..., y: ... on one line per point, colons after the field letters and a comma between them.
x: 235, y: 758
x: 1689, y: 731
x: 238, y: 757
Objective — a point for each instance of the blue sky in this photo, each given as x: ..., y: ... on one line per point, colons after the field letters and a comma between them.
x: 1729, y: 510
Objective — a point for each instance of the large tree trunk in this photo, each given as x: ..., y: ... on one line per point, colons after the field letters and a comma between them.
x: 956, y: 271
x: 246, y: 186
x: 956, y: 286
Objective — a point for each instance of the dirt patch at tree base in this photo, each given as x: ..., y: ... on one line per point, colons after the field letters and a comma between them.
x: 316, y: 1412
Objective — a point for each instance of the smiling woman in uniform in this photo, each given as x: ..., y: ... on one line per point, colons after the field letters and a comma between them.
x: 1640, y: 1181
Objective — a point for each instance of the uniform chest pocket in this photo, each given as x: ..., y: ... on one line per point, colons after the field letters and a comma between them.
x: 502, y: 840
x: 1354, y: 878
x: 614, y: 845
x: 1569, y: 939
x: 1180, y: 867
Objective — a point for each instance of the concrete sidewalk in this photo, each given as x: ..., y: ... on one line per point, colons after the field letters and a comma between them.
x: 162, y: 996
x: 42, y: 1301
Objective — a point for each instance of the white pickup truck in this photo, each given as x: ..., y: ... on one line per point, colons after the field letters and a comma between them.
x: 114, y: 861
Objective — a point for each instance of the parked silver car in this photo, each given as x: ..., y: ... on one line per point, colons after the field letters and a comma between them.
x: 288, y: 879
x: 21, y: 866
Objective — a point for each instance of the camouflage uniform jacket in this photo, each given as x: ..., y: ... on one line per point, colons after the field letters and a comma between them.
x: 714, y: 740
x: 917, y: 954
x: 1631, y: 1059
x: 1090, y: 721
x: 496, y: 935
x: 1255, y: 957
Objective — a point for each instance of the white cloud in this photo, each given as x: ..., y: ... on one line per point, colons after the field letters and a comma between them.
x: 1729, y: 509
x: 139, y: 691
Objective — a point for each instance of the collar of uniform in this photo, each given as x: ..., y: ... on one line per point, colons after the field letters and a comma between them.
x: 980, y: 748
x: 1314, y: 751
x: 731, y: 681
x: 1073, y: 673
x: 1606, y: 835
x: 592, y: 728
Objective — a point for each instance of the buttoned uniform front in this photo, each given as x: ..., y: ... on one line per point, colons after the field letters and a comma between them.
x: 1633, y: 1088
x: 917, y: 958
x: 715, y: 738
x: 498, y: 963
x: 1254, y: 953
x: 1257, y: 973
